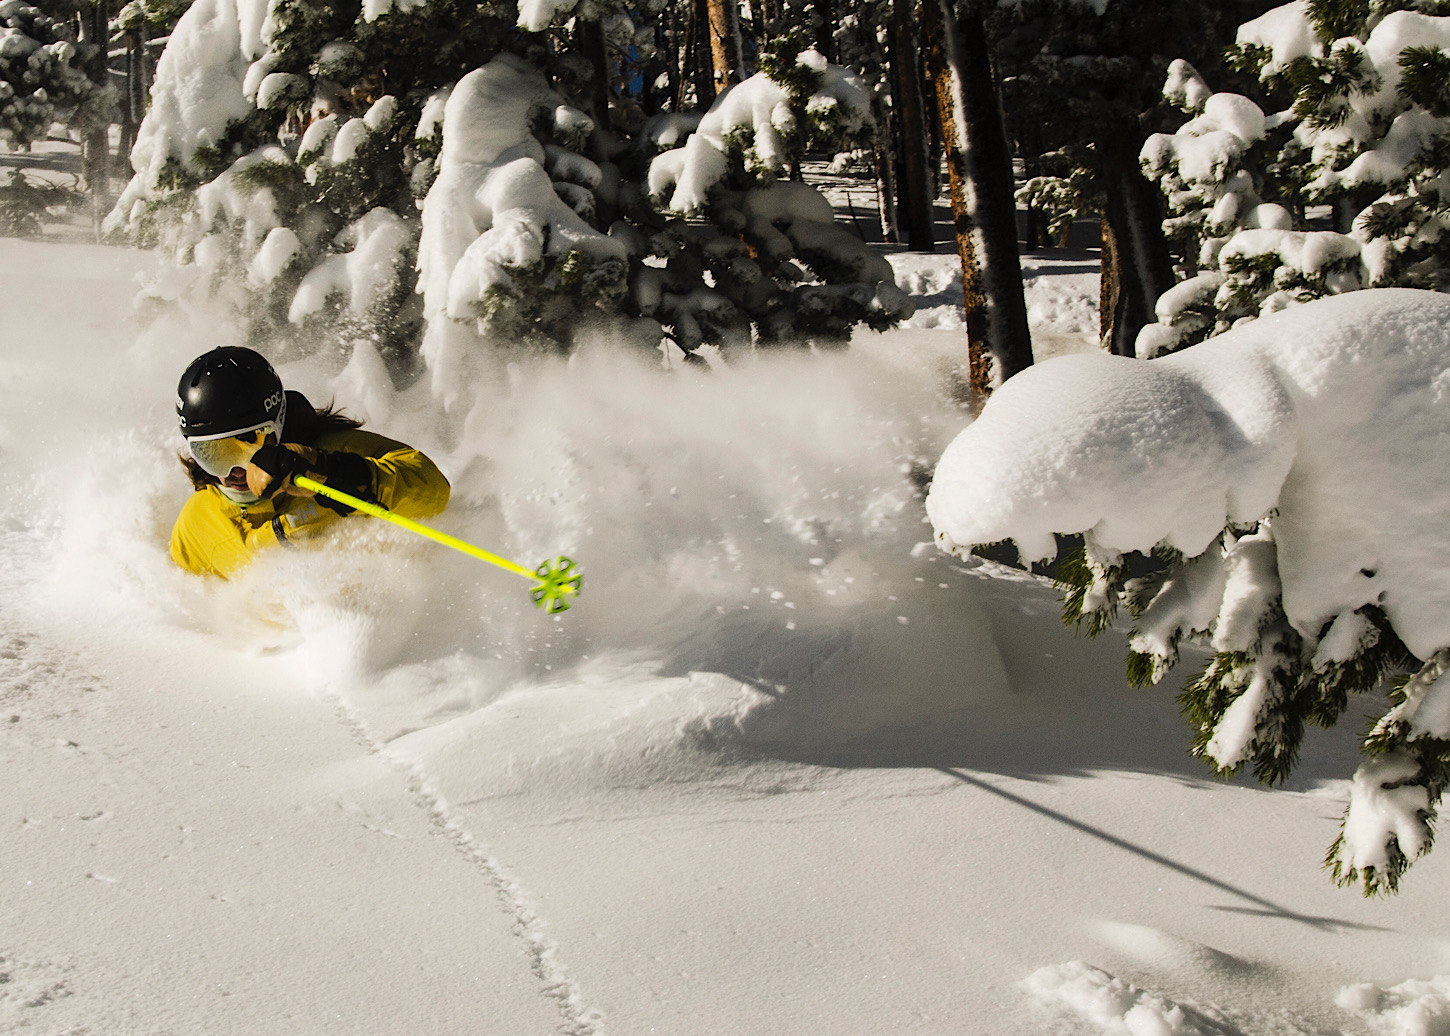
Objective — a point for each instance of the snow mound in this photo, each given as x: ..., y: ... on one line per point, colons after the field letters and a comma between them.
x: 1116, y: 1007
x: 1331, y: 413
x: 1164, y: 950
x: 1413, y: 1008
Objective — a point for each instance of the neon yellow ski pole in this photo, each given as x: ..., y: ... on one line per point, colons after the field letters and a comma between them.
x: 554, y: 581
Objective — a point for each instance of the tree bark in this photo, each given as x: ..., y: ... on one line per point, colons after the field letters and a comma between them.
x: 915, y: 189
x: 984, y: 210
x: 1136, y: 265
x: 885, y: 173
x: 95, y: 140
x: 726, y: 47
x: 591, y: 43
x: 700, y: 58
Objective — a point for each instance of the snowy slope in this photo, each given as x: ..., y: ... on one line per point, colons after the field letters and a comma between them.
x: 780, y: 770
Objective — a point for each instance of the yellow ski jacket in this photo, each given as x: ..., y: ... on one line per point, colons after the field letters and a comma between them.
x: 214, y: 536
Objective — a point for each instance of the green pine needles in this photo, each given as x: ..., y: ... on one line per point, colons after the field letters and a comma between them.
x: 1252, y: 701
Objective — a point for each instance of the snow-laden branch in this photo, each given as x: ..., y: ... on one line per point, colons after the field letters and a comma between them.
x: 493, y: 216
x: 1323, y: 432
x: 757, y: 119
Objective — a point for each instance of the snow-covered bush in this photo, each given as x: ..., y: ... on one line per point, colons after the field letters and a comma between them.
x: 41, y: 79
x: 1366, y: 95
x: 1287, y: 477
x: 442, y: 178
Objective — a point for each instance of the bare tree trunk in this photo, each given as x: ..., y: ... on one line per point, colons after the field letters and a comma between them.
x: 95, y: 140
x: 701, y: 56
x: 766, y: 14
x: 138, y: 86
x: 916, y: 187
x: 726, y: 47
x: 1135, y: 262
x: 984, y: 211
x: 885, y: 173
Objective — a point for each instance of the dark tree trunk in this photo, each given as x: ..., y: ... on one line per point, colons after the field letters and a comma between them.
x: 699, y: 58
x: 766, y: 14
x: 984, y: 210
x: 1135, y: 262
x: 590, y: 32
x: 915, y: 188
x: 95, y: 140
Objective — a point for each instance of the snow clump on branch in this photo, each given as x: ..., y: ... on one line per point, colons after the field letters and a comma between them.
x: 493, y: 215
x: 41, y: 81
x: 1287, y: 477
x: 777, y: 233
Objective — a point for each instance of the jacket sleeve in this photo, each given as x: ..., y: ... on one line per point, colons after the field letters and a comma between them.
x: 404, y: 479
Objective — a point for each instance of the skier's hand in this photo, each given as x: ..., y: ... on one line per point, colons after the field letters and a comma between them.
x: 273, y: 468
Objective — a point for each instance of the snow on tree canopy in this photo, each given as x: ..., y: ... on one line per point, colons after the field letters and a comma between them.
x: 493, y: 212
x: 198, y: 91
x: 1289, y: 477
x: 41, y: 76
x: 1363, y: 132
x: 758, y: 110
x: 1335, y: 413
x: 1285, y: 33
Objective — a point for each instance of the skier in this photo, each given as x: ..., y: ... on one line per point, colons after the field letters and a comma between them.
x: 247, y: 438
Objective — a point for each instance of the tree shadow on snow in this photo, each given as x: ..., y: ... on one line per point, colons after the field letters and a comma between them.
x: 828, y: 695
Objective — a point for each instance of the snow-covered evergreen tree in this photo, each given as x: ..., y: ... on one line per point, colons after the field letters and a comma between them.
x: 1081, y: 91
x: 42, y: 76
x: 1253, y: 469
x: 777, y: 260
x: 1361, y: 132
x: 433, y: 175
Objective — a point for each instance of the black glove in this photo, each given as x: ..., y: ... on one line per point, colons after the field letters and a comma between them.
x: 349, y: 472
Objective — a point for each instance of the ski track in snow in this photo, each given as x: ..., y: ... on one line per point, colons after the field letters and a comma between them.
x: 542, y: 951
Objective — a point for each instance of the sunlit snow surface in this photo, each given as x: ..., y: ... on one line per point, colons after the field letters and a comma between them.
x: 781, y: 768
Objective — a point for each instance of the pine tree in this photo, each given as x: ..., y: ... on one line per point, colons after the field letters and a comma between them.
x: 1264, y: 684
x: 337, y: 171
x: 778, y: 264
x: 1082, y: 91
x: 43, y: 77
x: 1361, y: 89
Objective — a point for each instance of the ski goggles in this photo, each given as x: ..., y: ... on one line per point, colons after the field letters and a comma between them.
x: 219, y: 454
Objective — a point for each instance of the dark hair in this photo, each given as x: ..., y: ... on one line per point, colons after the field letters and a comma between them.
x: 305, y: 425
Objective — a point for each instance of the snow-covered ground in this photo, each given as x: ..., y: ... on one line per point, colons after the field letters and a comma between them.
x: 784, y: 768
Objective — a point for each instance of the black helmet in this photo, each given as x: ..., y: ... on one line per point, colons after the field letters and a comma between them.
x: 229, y: 390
